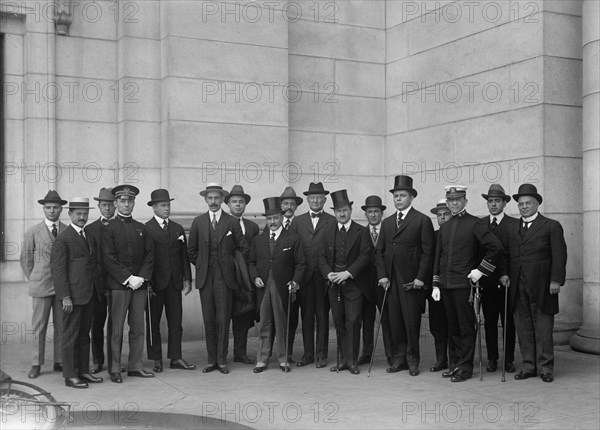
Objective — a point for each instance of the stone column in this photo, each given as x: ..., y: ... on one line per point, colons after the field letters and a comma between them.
x: 587, y: 339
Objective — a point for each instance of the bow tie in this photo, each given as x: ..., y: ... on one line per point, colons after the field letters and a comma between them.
x: 316, y: 215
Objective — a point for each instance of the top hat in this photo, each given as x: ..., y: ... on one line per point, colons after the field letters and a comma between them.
x: 125, y: 191
x: 52, y: 197
x: 160, y: 195
x: 315, y: 189
x: 455, y: 191
x: 441, y: 204
x: 403, y: 182
x: 214, y: 187
x: 237, y: 190
x: 272, y: 206
x: 79, y: 203
x: 105, y: 195
x: 528, y: 190
x: 372, y: 202
x: 496, y: 190
x: 289, y: 193
x: 340, y: 199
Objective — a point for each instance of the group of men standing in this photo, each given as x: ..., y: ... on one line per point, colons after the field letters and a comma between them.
x: 298, y: 269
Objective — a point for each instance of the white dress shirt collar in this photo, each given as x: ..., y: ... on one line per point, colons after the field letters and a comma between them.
x: 498, y: 217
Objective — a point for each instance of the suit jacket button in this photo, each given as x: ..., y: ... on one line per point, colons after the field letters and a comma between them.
x: 393, y: 243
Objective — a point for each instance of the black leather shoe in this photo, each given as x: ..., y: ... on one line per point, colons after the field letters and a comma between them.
x: 355, y: 370
x: 414, y: 372
x: 181, y: 364
x: 450, y: 372
x: 546, y: 377
x: 75, y: 383
x: 438, y: 367
x: 321, y: 362
x: 34, y: 372
x: 492, y: 365
x: 291, y: 360
x: 158, y: 366
x: 91, y: 379
x: 210, y: 368
x: 390, y: 361
x: 224, y: 370
x: 259, y: 369
x: 461, y: 376
x: 285, y: 369
x: 510, y: 368
x: 244, y: 360
x: 398, y: 368
x: 141, y: 374
x: 304, y: 361
x: 365, y: 359
x: 339, y: 369
x: 116, y: 378
x: 97, y: 368
x: 58, y: 367
x: 524, y: 375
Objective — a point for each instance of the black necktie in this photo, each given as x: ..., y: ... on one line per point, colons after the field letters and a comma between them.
x: 343, y: 229
x: 524, y: 228
x: 272, y: 243
x: 495, y: 225
x: 399, y: 219
x: 165, y: 227
x: 84, y: 239
x: 54, y: 230
x: 287, y: 224
x: 214, y: 222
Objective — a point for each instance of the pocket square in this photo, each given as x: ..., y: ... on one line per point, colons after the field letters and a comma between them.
x: 181, y: 238
x: 286, y: 249
x: 228, y: 233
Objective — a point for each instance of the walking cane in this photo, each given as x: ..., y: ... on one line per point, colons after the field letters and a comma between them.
x: 339, y: 330
x: 149, y: 314
x: 377, y: 332
x: 477, y: 305
x: 504, y: 334
x: 287, y: 326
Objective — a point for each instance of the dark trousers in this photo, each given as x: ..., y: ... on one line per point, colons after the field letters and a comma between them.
x: 445, y: 352
x: 535, y: 331
x: 168, y: 299
x: 314, y: 305
x: 492, y: 302
x: 346, y: 310
x: 130, y: 304
x: 272, y: 324
x: 461, y: 324
x: 76, y: 340
x: 240, y: 325
x: 216, y: 300
x: 98, y: 321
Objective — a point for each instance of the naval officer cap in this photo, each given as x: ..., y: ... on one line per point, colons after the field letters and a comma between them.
x: 455, y: 191
x: 127, y: 192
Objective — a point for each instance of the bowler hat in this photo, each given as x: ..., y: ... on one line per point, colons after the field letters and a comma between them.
x: 373, y: 202
x: 214, y: 187
x: 125, y: 191
x: 105, y: 195
x: 289, y: 193
x: 528, y: 190
x: 79, y: 203
x: 340, y: 199
x: 52, y: 197
x: 496, y: 190
x: 403, y: 182
x: 441, y: 204
x: 315, y: 189
x: 272, y: 206
x: 237, y: 190
x: 160, y: 195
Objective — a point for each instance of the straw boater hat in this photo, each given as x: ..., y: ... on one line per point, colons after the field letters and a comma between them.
x: 373, y: 202
x: 528, y: 190
x: 52, y: 197
x: 160, y: 195
x: 237, y: 190
x: 79, y: 203
x: 496, y: 190
x: 272, y: 206
x: 289, y: 193
x: 403, y: 182
x: 440, y: 205
x: 214, y: 187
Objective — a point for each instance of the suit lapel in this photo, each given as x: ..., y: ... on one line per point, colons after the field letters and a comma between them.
x: 405, y: 221
x: 222, y: 226
x: 533, y: 228
x: 352, y: 236
x: 320, y: 223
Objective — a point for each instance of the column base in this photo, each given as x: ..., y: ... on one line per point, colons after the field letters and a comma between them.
x: 586, y: 340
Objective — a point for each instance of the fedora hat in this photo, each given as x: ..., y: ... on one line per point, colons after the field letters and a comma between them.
x: 315, y: 189
x: 105, y: 195
x: 441, y: 204
x: 237, y: 190
x: 272, y: 206
x: 214, y: 187
x: 403, y: 182
x: 160, y: 195
x: 79, y: 203
x: 52, y: 197
x: 340, y: 199
x: 289, y: 193
x: 528, y: 190
x: 373, y: 202
x: 496, y: 190
x: 125, y: 191
x: 455, y: 191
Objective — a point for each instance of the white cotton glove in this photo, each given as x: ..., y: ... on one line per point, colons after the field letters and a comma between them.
x: 436, y: 294
x: 136, y: 282
x: 475, y: 275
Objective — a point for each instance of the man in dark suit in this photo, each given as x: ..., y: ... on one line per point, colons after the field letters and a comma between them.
x: 171, y: 275
x: 128, y: 253
x: 314, y: 304
x: 537, y: 255
x: 72, y: 267
x: 243, y: 311
x: 343, y: 261
x: 35, y: 263
x: 438, y: 323
x: 214, y: 238
x: 462, y: 241
x: 107, y: 209
x: 373, y: 297
x: 276, y: 266
x: 493, y: 293
x: 404, y: 262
